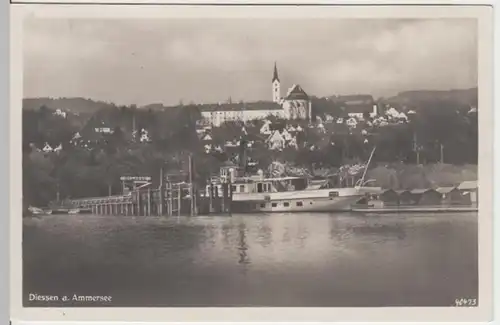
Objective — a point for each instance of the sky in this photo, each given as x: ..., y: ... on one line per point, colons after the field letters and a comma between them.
x: 211, y: 60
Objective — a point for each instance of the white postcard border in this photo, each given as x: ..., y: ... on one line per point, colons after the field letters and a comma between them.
x: 485, y: 42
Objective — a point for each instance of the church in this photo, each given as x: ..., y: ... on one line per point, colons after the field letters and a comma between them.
x: 296, y: 104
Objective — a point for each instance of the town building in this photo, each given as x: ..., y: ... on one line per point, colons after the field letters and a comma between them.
x: 295, y: 105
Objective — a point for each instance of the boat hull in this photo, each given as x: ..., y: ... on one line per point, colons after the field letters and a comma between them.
x: 323, y: 204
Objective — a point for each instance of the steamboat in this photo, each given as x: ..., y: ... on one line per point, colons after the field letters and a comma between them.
x: 257, y: 193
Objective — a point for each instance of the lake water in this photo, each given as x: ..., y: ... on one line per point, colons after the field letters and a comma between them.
x: 253, y: 260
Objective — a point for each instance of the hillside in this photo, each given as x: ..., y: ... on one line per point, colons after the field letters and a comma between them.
x: 72, y: 105
x: 466, y: 97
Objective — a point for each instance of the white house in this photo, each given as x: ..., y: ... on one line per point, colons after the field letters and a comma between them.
x: 47, y: 148
x: 104, y: 130
x: 275, y: 141
x: 144, y: 136
x: 352, y: 122
x: 60, y: 113
x: 266, y: 128
x: 392, y: 112
x: 206, y: 137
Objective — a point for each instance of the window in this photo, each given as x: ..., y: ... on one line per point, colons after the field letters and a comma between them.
x: 262, y: 205
x: 259, y: 188
x: 233, y: 188
x: 299, y: 204
x: 286, y: 204
x: 274, y: 205
x: 242, y: 188
x: 333, y: 194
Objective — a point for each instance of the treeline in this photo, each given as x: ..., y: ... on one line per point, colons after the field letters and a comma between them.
x: 92, y: 165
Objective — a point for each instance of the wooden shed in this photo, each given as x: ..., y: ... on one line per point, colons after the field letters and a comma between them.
x: 457, y: 197
x: 429, y: 197
x: 389, y: 198
x: 408, y: 198
x: 471, y: 190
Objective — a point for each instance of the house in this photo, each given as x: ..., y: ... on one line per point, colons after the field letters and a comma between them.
x: 47, y: 148
x: 293, y: 143
x: 104, y: 130
x: 275, y: 141
x: 266, y: 128
x: 206, y: 137
x: 60, y: 112
x: 352, y: 122
x: 144, y: 136
x: 402, y: 117
x: 217, y: 114
x: 392, y: 113
x: 286, y: 135
x: 329, y: 118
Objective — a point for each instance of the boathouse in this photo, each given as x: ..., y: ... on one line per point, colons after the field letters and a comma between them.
x: 408, y: 198
x: 389, y: 198
x: 428, y: 197
x: 455, y: 197
x: 469, y: 189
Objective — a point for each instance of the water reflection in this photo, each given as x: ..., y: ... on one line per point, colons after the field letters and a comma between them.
x: 245, y: 260
x: 242, y: 247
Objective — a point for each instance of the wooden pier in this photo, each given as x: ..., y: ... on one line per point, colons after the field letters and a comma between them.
x: 170, y: 199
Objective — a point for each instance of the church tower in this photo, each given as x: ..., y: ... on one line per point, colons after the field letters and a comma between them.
x: 276, y: 85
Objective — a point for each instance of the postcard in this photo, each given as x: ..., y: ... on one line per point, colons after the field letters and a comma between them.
x: 251, y: 162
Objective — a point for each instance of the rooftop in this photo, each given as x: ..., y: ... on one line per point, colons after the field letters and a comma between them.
x: 231, y: 107
x: 296, y: 92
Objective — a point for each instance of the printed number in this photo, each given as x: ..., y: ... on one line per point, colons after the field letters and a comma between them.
x: 465, y: 302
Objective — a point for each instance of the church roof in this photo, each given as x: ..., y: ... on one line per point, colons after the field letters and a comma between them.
x: 275, y: 74
x: 230, y: 107
x: 296, y: 92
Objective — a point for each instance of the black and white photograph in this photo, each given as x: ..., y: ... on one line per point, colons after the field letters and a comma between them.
x: 260, y: 161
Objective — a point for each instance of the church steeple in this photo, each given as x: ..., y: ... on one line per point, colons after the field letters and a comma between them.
x: 275, y: 74
x: 276, y: 85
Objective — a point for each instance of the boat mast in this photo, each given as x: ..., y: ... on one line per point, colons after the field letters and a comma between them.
x: 362, y: 180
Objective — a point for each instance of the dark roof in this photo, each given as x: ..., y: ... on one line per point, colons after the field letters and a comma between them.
x: 275, y: 74
x: 297, y: 93
x: 228, y: 107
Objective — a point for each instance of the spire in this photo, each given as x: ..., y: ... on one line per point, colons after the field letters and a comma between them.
x: 275, y: 74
